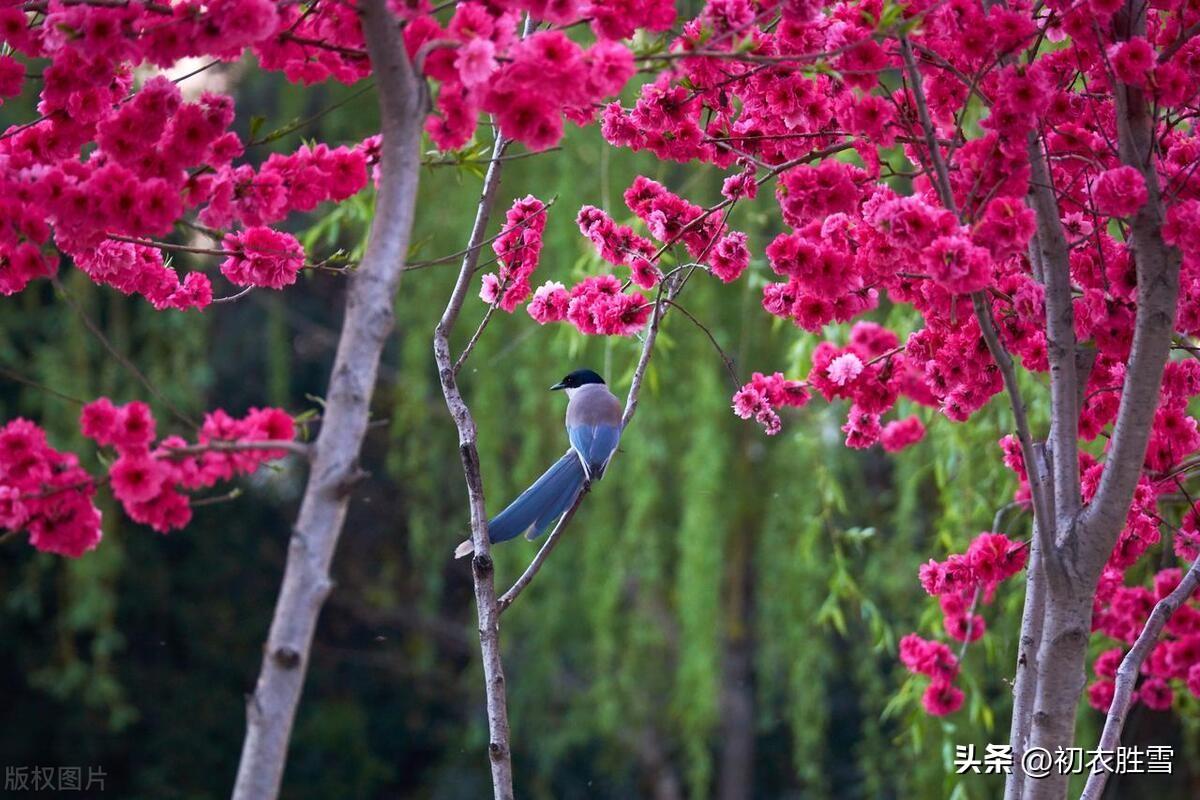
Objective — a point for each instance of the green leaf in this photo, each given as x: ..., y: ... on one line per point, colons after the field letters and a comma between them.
x: 256, y: 125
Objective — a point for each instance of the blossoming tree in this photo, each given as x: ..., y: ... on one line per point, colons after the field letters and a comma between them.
x: 1022, y: 176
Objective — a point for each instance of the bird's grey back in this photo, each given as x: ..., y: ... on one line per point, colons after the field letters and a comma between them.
x: 593, y: 404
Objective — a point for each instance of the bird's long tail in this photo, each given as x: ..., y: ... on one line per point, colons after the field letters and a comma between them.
x: 538, y: 506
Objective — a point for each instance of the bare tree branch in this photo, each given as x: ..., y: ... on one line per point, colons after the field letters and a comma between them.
x: 941, y: 172
x: 1130, y: 667
x: 366, y: 326
x: 121, y: 358
x: 543, y: 553
x: 1054, y: 258
x: 499, y: 747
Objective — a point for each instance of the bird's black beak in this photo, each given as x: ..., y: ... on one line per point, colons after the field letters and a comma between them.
x: 557, y: 386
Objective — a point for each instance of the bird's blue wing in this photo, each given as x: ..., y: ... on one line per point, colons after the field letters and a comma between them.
x: 595, y: 445
x: 541, y: 503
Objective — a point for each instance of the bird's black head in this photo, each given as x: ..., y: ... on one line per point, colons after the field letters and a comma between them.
x: 578, y: 378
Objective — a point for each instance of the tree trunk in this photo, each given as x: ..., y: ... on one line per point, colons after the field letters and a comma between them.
x: 1083, y: 541
x: 366, y: 326
x: 1060, y: 680
x: 1025, y: 681
x: 663, y: 780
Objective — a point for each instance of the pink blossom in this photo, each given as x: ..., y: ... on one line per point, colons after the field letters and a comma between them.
x: 901, y: 433
x: 780, y: 391
x: 964, y: 628
x: 12, y: 77
x: 750, y: 402
x: 610, y: 66
x: 262, y: 257
x: 742, y: 185
x: 957, y: 264
x: 1120, y: 192
x: 1154, y: 693
x: 68, y: 525
x: 1077, y: 225
x: 1193, y: 680
x: 1131, y: 60
x: 518, y: 249
x: 598, y: 306
x: 98, y: 420
x: 476, y: 61
x: 45, y: 492
x: 862, y: 428
x: 13, y: 512
x: 730, y: 257
x: 619, y: 19
x: 1100, y: 694
x: 747, y: 401
x: 928, y: 658
x: 133, y: 428
x: 994, y: 557
x: 942, y: 698
x: 618, y: 244
x: 1107, y: 662
x: 932, y: 577
x: 136, y: 477
x: 844, y: 369
x: 549, y: 303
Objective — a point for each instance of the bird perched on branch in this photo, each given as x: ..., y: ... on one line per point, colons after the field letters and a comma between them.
x: 594, y: 428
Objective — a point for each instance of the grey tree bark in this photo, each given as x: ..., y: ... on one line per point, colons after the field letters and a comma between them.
x: 1074, y: 542
x: 499, y: 748
x: 368, y: 322
x: 1084, y: 538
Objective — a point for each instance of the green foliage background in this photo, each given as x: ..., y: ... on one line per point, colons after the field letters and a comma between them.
x: 713, y: 565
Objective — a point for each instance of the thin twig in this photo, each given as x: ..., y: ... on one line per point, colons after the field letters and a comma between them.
x: 474, y: 340
x: 121, y: 357
x: 292, y: 127
x: 729, y: 365
x: 233, y: 297
x: 979, y: 300
x: 290, y: 445
x: 962, y: 649
x: 543, y: 553
x: 40, y: 386
x: 451, y: 162
x: 169, y: 246
x: 232, y: 494
x: 473, y: 249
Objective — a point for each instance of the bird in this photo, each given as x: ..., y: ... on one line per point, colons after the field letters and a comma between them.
x: 594, y: 430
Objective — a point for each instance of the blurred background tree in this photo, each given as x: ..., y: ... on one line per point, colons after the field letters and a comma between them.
x: 721, y: 620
